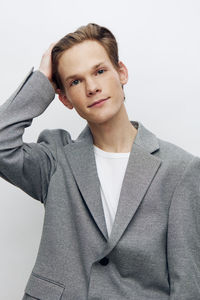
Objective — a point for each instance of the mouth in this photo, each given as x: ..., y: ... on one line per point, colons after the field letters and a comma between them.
x: 97, y: 102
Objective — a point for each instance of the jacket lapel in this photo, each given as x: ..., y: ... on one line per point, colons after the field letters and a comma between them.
x: 80, y: 155
x: 141, y: 169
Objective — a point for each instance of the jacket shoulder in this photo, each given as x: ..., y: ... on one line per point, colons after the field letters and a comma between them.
x: 170, y: 151
x: 52, y: 137
x: 175, y: 157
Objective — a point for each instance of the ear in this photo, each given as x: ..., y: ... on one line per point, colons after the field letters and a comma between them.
x: 63, y: 98
x: 123, y: 73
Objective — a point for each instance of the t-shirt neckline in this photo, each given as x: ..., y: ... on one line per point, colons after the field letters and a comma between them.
x: 103, y: 153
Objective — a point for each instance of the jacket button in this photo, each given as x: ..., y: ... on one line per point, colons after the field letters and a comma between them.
x: 104, y: 261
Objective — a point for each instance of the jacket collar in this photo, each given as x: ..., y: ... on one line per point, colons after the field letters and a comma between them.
x: 144, y: 137
x: 142, y: 167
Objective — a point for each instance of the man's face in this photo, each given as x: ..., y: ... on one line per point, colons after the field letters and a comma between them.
x: 88, y: 76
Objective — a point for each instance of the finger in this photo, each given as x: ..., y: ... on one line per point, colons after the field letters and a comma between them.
x: 52, y: 46
x: 49, y: 50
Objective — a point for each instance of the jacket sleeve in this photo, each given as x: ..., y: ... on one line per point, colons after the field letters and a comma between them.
x: 29, y: 166
x: 184, y: 236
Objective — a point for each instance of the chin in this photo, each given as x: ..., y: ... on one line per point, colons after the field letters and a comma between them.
x: 101, y: 119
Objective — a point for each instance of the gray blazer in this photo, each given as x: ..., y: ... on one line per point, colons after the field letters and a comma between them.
x: 154, y: 249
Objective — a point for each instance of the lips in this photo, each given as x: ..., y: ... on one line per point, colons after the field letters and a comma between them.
x: 98, y: 101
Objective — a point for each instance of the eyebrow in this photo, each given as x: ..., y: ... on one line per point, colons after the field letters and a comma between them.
x: 76, y: 75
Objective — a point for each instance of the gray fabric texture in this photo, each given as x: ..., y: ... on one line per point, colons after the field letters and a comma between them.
x: 154, y: 249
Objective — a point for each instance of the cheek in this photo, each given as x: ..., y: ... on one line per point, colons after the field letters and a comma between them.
x: 74, y: 94
x: 115, y: 86
x: 113, y: 81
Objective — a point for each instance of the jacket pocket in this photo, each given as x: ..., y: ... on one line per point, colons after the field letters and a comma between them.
x: 42, y: 288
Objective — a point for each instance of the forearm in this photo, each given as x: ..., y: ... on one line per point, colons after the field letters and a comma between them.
x: 29, y: 101
x: 26, y: 165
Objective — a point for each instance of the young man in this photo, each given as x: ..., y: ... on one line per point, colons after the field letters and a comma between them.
x: 122, y: 207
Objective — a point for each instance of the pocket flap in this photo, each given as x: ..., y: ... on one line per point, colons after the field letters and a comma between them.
x: 43, y: 289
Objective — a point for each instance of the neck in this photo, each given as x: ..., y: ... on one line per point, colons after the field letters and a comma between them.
x: 115, y: 135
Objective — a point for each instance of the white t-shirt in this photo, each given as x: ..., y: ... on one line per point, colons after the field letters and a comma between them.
x: 111, y: 169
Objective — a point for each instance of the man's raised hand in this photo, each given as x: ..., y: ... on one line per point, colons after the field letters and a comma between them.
x: 46, y: 65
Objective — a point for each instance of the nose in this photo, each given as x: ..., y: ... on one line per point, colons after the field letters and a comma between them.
x: 92, y: 87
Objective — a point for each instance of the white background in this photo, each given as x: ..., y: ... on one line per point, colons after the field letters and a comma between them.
x: 159, y: 42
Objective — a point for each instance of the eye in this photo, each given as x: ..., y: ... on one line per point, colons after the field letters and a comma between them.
x: 75, y: 82
x: 101, y: 71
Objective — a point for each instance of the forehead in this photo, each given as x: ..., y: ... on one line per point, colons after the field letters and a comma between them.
x: 82, y: 57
